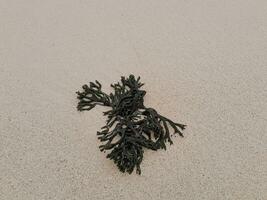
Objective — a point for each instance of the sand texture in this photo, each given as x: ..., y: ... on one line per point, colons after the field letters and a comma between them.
x: 204, y: 64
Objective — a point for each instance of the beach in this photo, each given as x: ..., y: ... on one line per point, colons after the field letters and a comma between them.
x: 204, y: 64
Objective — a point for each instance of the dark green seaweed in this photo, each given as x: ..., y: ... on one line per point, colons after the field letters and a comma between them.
x: 130, y: 126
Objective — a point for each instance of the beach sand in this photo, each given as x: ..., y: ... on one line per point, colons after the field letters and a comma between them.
x: 204, y: 63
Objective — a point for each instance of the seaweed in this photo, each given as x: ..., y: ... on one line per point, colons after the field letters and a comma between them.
x: 131, y: 127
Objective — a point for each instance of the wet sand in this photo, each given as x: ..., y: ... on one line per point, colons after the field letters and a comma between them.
x: 204, y: 64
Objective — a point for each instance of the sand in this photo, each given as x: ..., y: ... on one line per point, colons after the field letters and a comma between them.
x: 204, y: 64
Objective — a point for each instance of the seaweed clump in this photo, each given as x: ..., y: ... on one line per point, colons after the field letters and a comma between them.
x: 130, y: 126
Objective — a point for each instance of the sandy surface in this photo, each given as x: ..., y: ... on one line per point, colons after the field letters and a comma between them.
x: 204, y: 64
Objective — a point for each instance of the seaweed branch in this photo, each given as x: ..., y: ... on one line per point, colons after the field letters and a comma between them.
x: 91, y: 96
x: 130, y: 126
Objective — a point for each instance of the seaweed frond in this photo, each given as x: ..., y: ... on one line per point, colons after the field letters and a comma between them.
x: 130, y: 126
